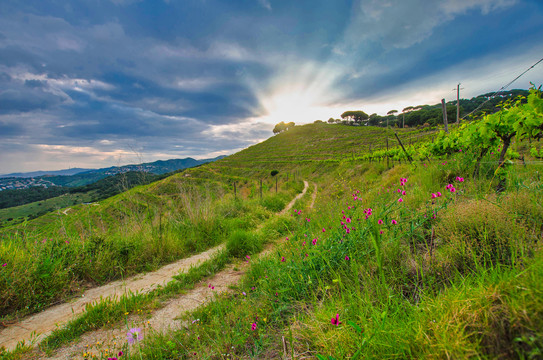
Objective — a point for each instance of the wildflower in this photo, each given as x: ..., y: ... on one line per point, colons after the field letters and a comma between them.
x: 434, y: 196
x: 248, y: 257
x: 4, y: 264
x: 452, y: 189
x: 403, y: 192
x: 381, y: 232
x: 314, y: 241
x: 394, y: 222
x: 438, y: 194
x: 134, y: 335
x: 459, y: 179
x: 347, y: 257
x: 323, y: 230
x: 121, y: 353
x: 287, y: 238
x: 348, y: 220
x: 244, y: 293
x: 308, y: 219
x: 449, y: 186
x: 348, y: 230
x: 335, y: 321
x: 400, y: 200
x: 282, y: 259
x: 253, y: 326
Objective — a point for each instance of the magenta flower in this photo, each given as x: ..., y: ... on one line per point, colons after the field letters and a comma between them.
x: 323, y: 230
x: 459, y: 179
x: 253, y: 326
x: 4, y: 264
x: 248, y: 257
x: 438, y: 194
x: 400, y: 200
x: 134, y: 335
x: 403, y: 192
x: 380, y: 222
x: 308, y: 219
x: 283, y: 259
x: 348, y: 220
x: 453, y: 189
x: 347, y: 257
x: 434, y: 196
x: 394, y: 222
x: 314, y: 242
x: 335, y: 321
x: 348, y: 230
x: 381, y: 232
x: 287, y: 238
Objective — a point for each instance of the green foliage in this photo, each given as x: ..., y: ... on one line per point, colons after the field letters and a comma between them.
x: 241, y: 243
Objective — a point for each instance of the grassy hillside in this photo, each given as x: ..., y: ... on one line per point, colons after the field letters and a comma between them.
x: 403, y: 261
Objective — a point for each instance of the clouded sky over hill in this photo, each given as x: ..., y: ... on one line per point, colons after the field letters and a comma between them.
x: 93, y: 83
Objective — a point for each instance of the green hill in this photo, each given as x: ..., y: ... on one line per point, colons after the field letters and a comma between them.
x: 402, y: 260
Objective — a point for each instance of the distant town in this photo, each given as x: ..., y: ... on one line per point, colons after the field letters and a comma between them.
x: 13, y: 183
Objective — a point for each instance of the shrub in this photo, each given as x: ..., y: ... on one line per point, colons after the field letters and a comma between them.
x: 483, y: 232
x: 241, y: 243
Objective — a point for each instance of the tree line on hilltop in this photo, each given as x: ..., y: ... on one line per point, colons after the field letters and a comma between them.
x: 421, y: 115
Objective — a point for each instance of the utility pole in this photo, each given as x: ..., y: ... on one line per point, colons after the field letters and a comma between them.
x: 458, y: 102
x: 444, y: 107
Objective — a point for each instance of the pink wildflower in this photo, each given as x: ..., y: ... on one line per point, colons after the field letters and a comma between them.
x: 347, y: 257
x: 283, y: 259
x: 380, y: 221
x: 253, y: 326
x: 335, y: 321
x: 314, y: 241
x: 394, y: 222
x: 434, y: 196
x: 400, y: 200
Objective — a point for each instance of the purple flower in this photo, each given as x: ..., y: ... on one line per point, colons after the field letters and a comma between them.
x: 434, y: 196
x: 400, y: 200
x: 394, y: 222
x: 4, y: 264
x: 314, y: 241
x: 282, y: 259
x: 134, y: 335
x: 335, y: 321
x: 323, y: 230
x: 380, y: 222
x: 253, y: 326
x: 347, y: 257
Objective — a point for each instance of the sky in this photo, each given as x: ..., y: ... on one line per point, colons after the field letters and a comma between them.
x: 97, y: 83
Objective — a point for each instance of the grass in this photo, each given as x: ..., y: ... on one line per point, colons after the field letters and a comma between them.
x: 451, y: 276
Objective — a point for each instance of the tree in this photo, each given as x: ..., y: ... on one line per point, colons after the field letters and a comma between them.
x: 355, y: 115
x: 280, y: 127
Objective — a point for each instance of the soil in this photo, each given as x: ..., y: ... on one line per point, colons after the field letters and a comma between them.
x: 35, y: 328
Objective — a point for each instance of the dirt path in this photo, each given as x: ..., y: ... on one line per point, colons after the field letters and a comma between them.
x: 36, y: 327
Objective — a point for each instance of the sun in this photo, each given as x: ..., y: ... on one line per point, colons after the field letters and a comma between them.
x: 298, y: 106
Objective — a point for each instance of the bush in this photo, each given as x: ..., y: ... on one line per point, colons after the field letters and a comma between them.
x: 484, y: 233
x: 274, y: 203
x: 241, y: 243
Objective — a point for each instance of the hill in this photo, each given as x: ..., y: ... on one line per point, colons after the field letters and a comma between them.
x: 395, y: 260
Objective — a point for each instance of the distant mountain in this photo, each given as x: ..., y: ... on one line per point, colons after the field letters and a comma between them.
x: 81, y: 177
x: 71, y: 171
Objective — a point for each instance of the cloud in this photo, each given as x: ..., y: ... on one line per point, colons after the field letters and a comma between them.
x: 266, y: 4
x: 403, y: 23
